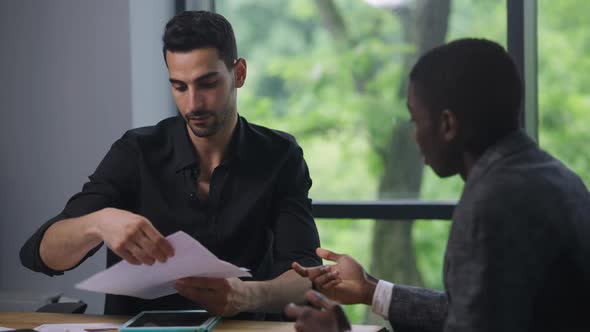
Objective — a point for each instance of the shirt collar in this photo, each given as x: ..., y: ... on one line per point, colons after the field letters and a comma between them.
x: 184, y: 153
x: 238, y: 147
x: 514, y: 142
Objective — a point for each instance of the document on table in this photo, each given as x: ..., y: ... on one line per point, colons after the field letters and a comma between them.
x: 191, y: 259
x: 83, y: 327
x: 2, y: 328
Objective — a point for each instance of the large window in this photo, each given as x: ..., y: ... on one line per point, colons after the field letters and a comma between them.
x: 333, y: 74
x: 564, y: 86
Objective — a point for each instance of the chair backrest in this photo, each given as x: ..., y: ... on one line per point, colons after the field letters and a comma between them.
x: 64, y: 308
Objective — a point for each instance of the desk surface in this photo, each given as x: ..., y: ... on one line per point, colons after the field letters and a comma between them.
x: 24, y: 320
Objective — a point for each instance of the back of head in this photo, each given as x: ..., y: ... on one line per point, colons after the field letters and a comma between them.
x: 478, y: 81
x: 192, y: 30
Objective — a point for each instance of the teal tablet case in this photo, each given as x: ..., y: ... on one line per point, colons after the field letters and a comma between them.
x: 201, y: 328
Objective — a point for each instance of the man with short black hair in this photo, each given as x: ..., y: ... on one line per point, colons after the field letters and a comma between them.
x: 238, y: 188
x: 518, y: 253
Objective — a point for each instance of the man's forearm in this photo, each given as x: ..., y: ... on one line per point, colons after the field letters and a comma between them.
x: 67, y: 241
x: 274, y: 295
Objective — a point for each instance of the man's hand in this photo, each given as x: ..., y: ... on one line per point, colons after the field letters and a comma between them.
x: 132, y: 237
x: 331, y: 319
x: 225, y: 297
x: 346, y: 281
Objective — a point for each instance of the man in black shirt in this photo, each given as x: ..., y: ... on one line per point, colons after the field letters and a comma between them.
x: 238, y: 188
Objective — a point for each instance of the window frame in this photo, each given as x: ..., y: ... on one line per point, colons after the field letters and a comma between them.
x: 521, y: 19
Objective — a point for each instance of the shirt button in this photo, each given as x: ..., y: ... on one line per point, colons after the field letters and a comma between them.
x: 192, y: 195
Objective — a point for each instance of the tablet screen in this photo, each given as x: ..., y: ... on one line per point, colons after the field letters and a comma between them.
x: 154, y: 319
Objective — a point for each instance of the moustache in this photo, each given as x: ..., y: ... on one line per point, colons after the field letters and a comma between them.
x: 199, y: 114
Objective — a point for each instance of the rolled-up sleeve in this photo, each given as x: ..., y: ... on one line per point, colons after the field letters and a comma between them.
x: 111, y: 185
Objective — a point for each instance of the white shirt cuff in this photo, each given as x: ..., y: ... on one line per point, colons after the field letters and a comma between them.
x: 382, y: 298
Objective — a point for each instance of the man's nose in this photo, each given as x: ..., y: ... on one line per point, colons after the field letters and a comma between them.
x: 195, y: 101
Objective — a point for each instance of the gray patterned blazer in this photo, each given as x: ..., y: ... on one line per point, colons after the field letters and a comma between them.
x: 518, y: 254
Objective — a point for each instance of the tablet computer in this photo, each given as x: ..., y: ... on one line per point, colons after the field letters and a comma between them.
x: 171, y: 321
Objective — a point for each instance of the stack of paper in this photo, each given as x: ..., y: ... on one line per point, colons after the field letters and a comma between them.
x: 191, y: 259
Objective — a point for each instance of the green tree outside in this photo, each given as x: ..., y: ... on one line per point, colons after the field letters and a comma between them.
x: 332, y: 73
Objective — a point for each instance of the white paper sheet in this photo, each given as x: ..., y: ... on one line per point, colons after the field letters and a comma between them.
x: 191, y: 259
x: 2, y: 328
x: 82, y: 327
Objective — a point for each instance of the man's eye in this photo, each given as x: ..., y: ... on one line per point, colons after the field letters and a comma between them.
x: 180, y: 88
x: 208, y: 85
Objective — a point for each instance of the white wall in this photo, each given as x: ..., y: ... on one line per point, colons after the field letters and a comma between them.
x: 70, y: 85
x: 150, y: 90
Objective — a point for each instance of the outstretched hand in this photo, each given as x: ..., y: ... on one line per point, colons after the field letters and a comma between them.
x: 224, y: 297
x: 346, y: 281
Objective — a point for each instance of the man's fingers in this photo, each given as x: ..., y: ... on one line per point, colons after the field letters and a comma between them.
x: 139, y: 253
x: 294, y: 311
x: 158, y: 240
x: 327, y: 254
x: 300, y: 269
x: 325, y: 278
x: 312, y: 272
x: 149, y: 248
x: 319, y: 300
x: 306, y: 318
x: 128, y: 256
x: 331, y: 284
x: 333, y: 308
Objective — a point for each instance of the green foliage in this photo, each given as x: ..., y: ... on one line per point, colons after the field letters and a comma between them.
x: 478, y: 19
x: 564, y: 90
x: 430, y: 239
x: 340, y: 99
x: 351, y: 237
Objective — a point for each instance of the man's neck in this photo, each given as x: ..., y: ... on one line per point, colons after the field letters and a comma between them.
x: 211, y: 150
x: 469, y: 161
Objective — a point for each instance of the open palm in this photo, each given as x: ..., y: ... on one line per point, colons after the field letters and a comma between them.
x: 346, y: 281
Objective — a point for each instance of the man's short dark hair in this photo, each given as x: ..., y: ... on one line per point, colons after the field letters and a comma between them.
x: 192, y: 30
x: 478, y: 81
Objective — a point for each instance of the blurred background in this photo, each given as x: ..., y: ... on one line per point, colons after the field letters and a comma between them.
x: 74, y: 75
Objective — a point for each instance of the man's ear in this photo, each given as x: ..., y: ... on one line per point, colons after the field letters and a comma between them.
x: 240, y: 71
x: 449, y: 125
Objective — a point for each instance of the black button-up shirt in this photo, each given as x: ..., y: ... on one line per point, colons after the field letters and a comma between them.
x: 258, y: 214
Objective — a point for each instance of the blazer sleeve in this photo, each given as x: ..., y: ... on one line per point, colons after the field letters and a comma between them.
x: 497, y: 254
x: 417, y: 309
